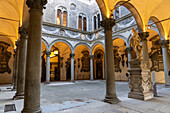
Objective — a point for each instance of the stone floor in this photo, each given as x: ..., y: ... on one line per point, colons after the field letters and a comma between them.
x: 86, y: 96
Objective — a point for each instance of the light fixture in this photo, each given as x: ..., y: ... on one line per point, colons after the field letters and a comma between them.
x: 55, y: 52
x: 52, y: 54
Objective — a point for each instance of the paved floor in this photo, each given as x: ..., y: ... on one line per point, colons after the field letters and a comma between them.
x: 86, y: 96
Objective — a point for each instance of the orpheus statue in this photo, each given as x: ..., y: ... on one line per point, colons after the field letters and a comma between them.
x: 135, y: 44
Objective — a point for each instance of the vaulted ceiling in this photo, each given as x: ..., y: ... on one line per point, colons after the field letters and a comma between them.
x: 143, y: 10
x: 10, y: 17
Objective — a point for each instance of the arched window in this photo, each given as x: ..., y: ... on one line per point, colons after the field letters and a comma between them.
x: 84, y: 24
x: 96, y: 20
x: 58, y: 17
x: 80, y: 22
x: 116, y: 13
x: 62, y: 17
x: 95, y: 25
x: 65, y: 18
x: 98, y: 17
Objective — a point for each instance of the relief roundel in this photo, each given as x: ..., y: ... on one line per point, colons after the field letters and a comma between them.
x: 4, y: 57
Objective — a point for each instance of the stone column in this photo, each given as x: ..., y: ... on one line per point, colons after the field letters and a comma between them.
x: 129, y: 49
x: 144, y: 36
x: 111, y: 96
x: 166, y: 61
x: 48, y: 67
x: 22, y: 64
x: 13, y: 79
x: 61, y: 18
x: 16, y: 65
x: 91, y: 67
x: 33, y: 66
x: 72, y: 66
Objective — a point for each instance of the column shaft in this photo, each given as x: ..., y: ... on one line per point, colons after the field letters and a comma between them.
x: 110, y: 70
x: 91, y: 67
x: 33, y: 67
x: 48, y: 67
x: 145, y: 50
x: 22, y: 64
x: 72, y: 66
x: 166, y: 61
x: 16, y: 66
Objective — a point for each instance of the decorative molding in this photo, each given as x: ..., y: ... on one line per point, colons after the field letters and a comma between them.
x: 23, y: 32
x: 164, y: 43
x: 143, y: 36
x: 72, y: 55
x: 48, y: 53
x: 108, y: 23
x: 36, y: 4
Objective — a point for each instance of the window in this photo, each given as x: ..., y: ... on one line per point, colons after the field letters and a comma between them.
x: 95, y: 27
x: 65, y: 18
x: 116, y: 13
x: 58, y: 17
x: 62, y: 17
x: 96, y: 20
x: 80, y: 22
x: 98, y: 17
x: 84, y: 24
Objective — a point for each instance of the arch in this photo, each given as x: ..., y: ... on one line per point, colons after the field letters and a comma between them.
x: 159, y: 27
x: 135, y: 13
x: 95, y: 44
x: 60, y: 40
x: 102, y: 7
x: 46, y: 43
x: 84, y: 45
x: 122, y: 37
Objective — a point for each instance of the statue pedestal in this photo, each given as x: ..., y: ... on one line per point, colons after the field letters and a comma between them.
x: 140, y: 80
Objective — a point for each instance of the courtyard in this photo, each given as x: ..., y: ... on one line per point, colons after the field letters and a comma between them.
x: 86, y: 97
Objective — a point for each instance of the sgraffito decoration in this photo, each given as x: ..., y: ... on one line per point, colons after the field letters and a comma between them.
x: 4, y: 57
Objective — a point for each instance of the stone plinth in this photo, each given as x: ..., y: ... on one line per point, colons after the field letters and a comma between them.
x: 140, y: 80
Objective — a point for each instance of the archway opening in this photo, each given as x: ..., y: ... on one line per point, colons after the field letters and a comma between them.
x: 98, y: 62
x: 120, y: 59
x: 43, y: 62
x: 60, y: 62
x: 82, y: 63
x: 155, y: 57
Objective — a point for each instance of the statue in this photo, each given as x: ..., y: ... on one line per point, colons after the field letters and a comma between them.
x: 135, y: 44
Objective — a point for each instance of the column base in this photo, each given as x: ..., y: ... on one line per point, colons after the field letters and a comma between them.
x: 111, y: 100
x: 46, y: 82
x: 13, y: 89
x: 31, y: 111
x: 167, y: 85
x: 73, y: 81
x: 140, y: 96
x: 18, y: 96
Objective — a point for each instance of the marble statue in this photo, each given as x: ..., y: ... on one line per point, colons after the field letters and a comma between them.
x: 135, y: 44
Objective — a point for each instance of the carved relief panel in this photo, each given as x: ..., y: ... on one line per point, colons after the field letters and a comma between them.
x: 117, y: 59
x: 4, y: 57
x: 85, y: 61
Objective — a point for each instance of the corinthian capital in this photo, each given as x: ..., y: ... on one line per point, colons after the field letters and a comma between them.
x: 23, y: 32
x: 164, y: 43
x: 108, y: 23
x: 36, y: 4
x: 143, y: 35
